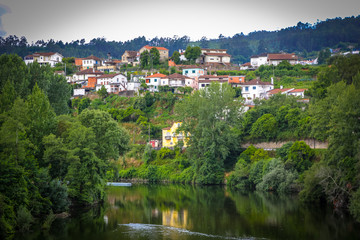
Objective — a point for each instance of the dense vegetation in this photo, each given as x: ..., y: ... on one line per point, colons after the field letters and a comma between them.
x: 304, y: 38
x: 48, y: 160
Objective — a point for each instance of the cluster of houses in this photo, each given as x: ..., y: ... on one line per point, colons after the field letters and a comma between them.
x: 93, y: 73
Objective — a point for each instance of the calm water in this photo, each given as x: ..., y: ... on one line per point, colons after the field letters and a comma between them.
x: 193, y: 212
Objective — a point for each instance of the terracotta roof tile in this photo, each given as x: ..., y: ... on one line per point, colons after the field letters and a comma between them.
x: 256, y: 82
x: 282, y: 56
x: 298, y: 90
x: 157, y: 75
x: 158, y: 48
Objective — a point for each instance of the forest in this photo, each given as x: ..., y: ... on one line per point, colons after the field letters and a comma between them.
x: 304, y: 39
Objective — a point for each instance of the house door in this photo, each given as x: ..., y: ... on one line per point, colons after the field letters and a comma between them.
x: 254, y: 96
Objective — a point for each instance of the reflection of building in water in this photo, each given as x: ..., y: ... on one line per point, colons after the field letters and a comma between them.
x: 173, y: 218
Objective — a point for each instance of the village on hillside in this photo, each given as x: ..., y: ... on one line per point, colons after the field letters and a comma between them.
x: 94, y: 73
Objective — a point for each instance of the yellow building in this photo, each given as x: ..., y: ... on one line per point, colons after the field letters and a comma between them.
x: 170, y: 138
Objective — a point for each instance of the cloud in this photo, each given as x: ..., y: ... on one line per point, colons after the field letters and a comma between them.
x: 3, y: 10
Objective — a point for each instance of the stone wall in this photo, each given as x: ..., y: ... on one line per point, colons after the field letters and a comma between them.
x: 273, y: 145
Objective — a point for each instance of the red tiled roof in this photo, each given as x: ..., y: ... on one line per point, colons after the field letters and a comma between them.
x: 158, y: 48
x: 168, y: 128
x: 246, y: 64
x: 298, y: 90
x: 178, y: 76
x: 89, y: 71
x: 93, y: 57
x: 210, y: 81
x: 157, y: 75
x: 131, y: 54
x: 192, y: 66
x: 277, y: 90
x: 256, y: 82
x: 109, y: 75
x: 211, y: 49
x: 282, y: 56
x: 44, y: 54
x: 213, y: 76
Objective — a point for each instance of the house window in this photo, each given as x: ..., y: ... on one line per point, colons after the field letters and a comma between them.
x: 193, y: 71
x: 254, y: 87
x: 186, y: 72
x: 155, y: 80
x: 246, y: 89
x: 202, y: 85
x: 155, y: 87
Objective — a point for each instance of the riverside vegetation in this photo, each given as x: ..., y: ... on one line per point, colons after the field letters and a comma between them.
x: 55, y: 153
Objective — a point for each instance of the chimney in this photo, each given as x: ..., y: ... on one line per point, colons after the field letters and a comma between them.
x: 281, y: 86
x: 272, y: 81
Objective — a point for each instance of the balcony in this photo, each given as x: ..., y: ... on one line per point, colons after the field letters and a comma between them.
x: 168, y: 137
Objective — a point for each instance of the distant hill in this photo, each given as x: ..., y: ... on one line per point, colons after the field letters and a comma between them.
x: 303, y: 39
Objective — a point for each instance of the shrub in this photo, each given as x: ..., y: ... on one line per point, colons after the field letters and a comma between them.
x: 355, y: 205
x: 23, y: 219
x: 164, y: 153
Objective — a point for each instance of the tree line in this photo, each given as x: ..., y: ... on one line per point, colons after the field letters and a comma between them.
x: 304, y: 39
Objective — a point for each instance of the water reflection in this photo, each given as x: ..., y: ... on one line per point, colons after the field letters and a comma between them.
x: 194, y: 212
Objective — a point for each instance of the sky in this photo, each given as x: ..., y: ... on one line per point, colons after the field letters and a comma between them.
x: 123, y: 20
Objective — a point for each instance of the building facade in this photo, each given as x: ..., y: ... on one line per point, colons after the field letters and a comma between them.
x: 49, y: 58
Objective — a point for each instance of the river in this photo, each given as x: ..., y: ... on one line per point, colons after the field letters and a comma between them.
x: 199, y: 212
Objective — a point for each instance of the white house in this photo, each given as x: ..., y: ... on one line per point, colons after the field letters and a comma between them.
x: 213, y: 56
x: 177, y: 80
x: 84, y: 75
x: 205, y: 80
x: 114, y: 83
x: 91, y: 62
x: 255, y: 89
x: 49, y: 58
x: 258, y: 60
x: 154, y: 81
x: 193, y: 71
x: 297, y: 92
x: 276, y: 58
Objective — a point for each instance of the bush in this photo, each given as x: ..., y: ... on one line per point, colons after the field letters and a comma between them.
x: 284, y: 151
x: 277, y: 178
x: 355, y: 205
x: 164, y: 153
x: 24, y: 219
x: 299, y: 157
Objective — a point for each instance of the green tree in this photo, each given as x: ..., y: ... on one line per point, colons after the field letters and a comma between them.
x: 176, y: 57
x: 300, y: 157
x: 323, y: 56
x: 192, y: 53
x: 111, y: 139
x: 264, y: 127
x: 210, y: 117
x: 144, y: 59
x: 102, y: 92
x: 154, y: 56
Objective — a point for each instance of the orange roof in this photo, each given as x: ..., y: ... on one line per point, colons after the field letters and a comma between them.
x: 158, y: 48
x: 236, y: 79
x: 157, y: 75
x: 298, y: 90
x: 277, y: 90
x: 282, y: 56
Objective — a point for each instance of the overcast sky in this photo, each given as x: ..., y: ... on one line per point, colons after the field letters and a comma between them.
x: 123, y: 20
